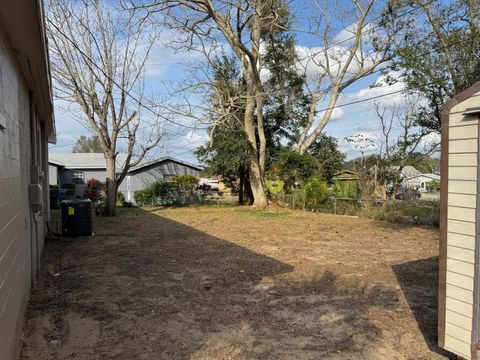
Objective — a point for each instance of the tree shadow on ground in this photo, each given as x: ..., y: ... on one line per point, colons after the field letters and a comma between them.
x: 152, y: 288
x: 419, y: 282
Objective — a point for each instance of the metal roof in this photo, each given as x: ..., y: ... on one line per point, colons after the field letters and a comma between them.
x: 87, y: 161
x: 428, y: 175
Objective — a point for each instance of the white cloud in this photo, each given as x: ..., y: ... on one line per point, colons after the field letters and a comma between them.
x: 347, y: 35
x: 430, y: 142
x: 337, y: 114
x: 381, y: 92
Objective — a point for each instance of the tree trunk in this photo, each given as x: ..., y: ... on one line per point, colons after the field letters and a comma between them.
x: 247, y: 191
x: 255, y: 170
x: 111, y: 187
x: 256, y: 182
x: 241, y: 186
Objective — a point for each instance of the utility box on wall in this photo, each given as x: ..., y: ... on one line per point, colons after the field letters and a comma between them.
x: 77, y: 218
x: 458, y: 303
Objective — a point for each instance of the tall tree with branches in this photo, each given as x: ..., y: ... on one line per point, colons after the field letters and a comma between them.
x: 442, y: 55
x: 371, y: 34
x: 98, y: 54
x: 244, y: 27
x: 241, y: 26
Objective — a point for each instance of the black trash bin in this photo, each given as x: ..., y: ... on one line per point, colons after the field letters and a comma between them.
x: 77, y: 218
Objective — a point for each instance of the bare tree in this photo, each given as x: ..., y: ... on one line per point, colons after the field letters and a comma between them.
x: 241, y: 27
x: 98, y: 55
x: 396, y: 149
x: 342, y: 58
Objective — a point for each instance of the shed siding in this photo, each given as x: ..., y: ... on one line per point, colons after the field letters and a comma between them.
x: 463, y: 132
x: 457, y: 346
x: 461, y: 230
x: 462, y: 187
x: 461, y: 240
x: 455, y: 318
x: 462, y: 160
x: 461, y: 227
x: 458, y: 292
x: 15, y: 248
x: 462, y: 173
x: 462, y: 200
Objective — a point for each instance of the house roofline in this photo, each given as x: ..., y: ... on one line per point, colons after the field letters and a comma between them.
x: 431, y: 176
x: 163, y: 159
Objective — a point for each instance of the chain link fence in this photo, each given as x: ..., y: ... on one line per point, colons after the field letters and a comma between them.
x: 421, y: 212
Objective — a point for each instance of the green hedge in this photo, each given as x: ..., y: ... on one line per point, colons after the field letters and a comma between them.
x: 158, y: 193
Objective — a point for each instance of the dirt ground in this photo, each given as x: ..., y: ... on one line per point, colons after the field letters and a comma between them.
x: 234, y: 283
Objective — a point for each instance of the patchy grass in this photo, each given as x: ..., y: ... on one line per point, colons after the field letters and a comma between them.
x: 261, y: 214
x: 421, y: 213
x: 211, y: 283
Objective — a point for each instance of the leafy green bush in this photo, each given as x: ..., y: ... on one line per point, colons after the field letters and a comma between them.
x: 346, y: 189
x: 145, y: 196
x: 185, y: 183
x: 293, y: 167
x: 120, y: 197
x: 274, y: 187
x: 165, y: 192
x: 162, y: 189
x: 157, y: 193
x: 434, y: 185
x: 317, y: 193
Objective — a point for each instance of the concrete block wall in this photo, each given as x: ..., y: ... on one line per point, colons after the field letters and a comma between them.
x: 15, y: 229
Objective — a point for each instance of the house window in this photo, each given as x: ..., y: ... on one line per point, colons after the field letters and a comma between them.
x: 77, y: 177
x: 422, y: 185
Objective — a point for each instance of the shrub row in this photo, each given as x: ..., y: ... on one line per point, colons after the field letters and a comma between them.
x: 165, y: 193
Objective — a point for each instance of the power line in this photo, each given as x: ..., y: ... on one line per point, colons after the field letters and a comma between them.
x: 85, y: 56
x: 368, y: 30
x: 198, y: 128
x: 149, y: 108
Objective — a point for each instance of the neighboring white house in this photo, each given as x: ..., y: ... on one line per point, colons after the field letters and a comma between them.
x: 420, y: 182
x: 26, y: 127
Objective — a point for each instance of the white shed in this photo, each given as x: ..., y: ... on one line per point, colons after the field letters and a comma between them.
x: 458, y: 318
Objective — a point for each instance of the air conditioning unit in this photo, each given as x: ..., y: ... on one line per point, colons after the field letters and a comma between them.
x: 76, y: 218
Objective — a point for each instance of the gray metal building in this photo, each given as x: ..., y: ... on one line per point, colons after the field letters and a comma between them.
x: 79, y: 167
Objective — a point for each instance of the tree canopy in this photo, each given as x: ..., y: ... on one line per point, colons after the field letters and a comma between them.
x: 86, y: 144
